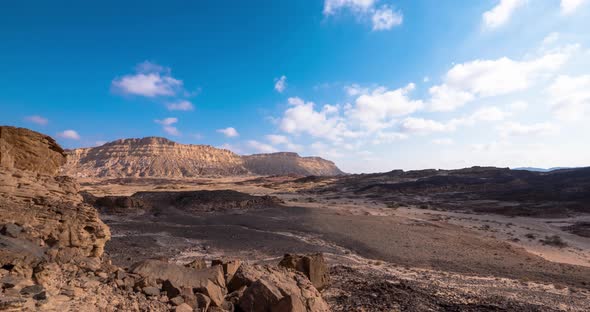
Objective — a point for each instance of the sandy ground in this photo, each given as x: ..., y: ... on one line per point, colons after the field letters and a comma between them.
x: 461, y: 254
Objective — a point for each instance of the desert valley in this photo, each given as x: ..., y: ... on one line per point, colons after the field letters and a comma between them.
x: 153, y: 225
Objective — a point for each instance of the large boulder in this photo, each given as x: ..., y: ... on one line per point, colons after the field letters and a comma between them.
x: 209, y: 281
x: 313, y: 266
x: 267, y: 288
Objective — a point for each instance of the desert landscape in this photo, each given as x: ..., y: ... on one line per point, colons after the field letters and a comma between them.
x: 153, y: 225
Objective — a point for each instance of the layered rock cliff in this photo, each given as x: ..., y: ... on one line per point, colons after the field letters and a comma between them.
x: 160, y: 157
x: 289, y: 163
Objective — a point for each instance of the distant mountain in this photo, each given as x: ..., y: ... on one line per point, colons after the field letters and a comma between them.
x: 160, y: 157
x: 543, y: 169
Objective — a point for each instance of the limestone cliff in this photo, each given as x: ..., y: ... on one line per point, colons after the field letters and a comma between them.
x: 160, y: 157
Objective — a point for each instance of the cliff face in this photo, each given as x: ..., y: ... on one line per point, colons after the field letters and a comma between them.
x: 289, y: 163
x: 152, y: 157
x: 160, y: 157
x: 47, y: 207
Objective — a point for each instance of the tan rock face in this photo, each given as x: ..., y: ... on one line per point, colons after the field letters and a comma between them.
x: 160, y: 157
x: 24, y: 149
x: 48, y: 207
x: 290, y: 163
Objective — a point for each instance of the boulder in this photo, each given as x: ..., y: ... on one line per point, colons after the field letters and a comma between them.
x: 197, y: 264
x: 289, y: 304
x: 183, y: 308
x: 151, y: 291
x: 179, y: 275
x: 203, y: 302
x: 176, y: 301
x: 214, y: 292
x: 287, y: 282
x: 260, y: 297
x: 245, y: 276
x: 11, y: 230
x: 313, y: 266
x: 229, y: 267
x: 171, y: 290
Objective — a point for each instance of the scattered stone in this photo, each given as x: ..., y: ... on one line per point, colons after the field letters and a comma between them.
x: 11, y: 230
x: 170, y: 289
x: 289, y: 304
x: 203, y: 302
x: 40, y: 296
x: 313, y: 266
x: 189, y: 297
x: 214, y: 292
x: 229, y: 267
x: 151, y: 291
x: 260, y: 297
x: 198, y: 264
x: 184, y: 308
x: 7, y: 303
x: 32, y: 290
x: 244, y: 276
x: 176, y: 301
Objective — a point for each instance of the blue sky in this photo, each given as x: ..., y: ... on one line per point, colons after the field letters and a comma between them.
x: 372, y: 84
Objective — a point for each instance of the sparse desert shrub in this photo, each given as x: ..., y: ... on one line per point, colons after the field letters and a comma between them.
x: 554, y: 240
x: 530, y: 236
x: 311, y: 200
x: 424, y: 206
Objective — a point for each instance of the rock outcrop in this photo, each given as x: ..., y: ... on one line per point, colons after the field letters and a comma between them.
x: 290, y: 163
x: 160, y: 157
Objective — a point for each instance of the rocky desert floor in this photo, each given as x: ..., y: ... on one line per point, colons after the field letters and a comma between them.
x: 383, y: 257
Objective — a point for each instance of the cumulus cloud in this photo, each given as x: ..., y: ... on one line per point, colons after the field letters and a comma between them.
x: 468, y: 81
x: 570, y: 6
x: 182, y: 105
x: 69, y: 134
x: 519, y: 129
x: 261, y: 147
x: 570, y: 96
x: 332, y: 6
x: 385, y: 18
x: 42, y: 121
x: 150, y: 80
x: 355, y: 90
x: 229, y: 132
x: 167, y: 125
x: 382, y: 18
x: 281, y: 84
x: 445, y: 98
x: 277, y: 139
x: 501, y: 13
x: 443, y: 141
x: 424, y: 126
x: 302, y: 117
x: 166, y: 121
x: 378, y: 109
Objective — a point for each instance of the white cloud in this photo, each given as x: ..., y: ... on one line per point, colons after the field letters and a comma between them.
x: 166, y: 121
x: 167, y: 125
x: 182, y: 105
x: 355, y: 90
x: 518, y: 129
x: 150, y: 80
x: 443, y: 141
x: 69, y: 134
x: 171, y: 130
x: 570, y: 6
x: 277, y: 139
x: 519, y: 106
x: 491, y: 113
x: 444, y: 98
x: 469, y: 81
x: 332, y: 6
x: 100, y: 143
x: 570, y: 96
x: 424, y: 126
x: 501, y: 13
x: 385, y: 18
x: 281, y: 84
x: 388, y: 137
x: 377, y: 109
x: 382, y: 18
x: 37, y: 119
x: 229, y: 132
x: 302, y: 117
x: 551, y: 38
x: 261, y: 147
